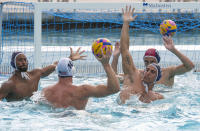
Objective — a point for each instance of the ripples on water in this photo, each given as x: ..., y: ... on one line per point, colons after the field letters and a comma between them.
x: 178, y: 111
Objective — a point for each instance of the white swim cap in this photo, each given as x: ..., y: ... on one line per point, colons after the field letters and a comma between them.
x: 64, y: 67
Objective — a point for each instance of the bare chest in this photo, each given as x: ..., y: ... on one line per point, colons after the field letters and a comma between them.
x: 23, y: 89
x: 133, y: 86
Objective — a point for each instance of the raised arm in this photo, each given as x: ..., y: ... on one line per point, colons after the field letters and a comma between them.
x: 112, y: 81
x: 180, y: 69
x: 73, y: 56
x: 116, y: 55
x: 127, y: 61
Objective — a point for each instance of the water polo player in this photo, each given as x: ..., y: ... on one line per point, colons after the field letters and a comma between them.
x: 23, y: 83
x: 135, y: 83
x: 65, y: 94
x: 152, y: 56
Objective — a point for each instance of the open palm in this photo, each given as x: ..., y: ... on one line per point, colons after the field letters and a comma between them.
x: 128, y: 14
x: 77, y: 55
x: 168, y: 43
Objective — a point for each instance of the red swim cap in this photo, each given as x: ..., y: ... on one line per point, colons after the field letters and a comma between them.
x: 152, y: 53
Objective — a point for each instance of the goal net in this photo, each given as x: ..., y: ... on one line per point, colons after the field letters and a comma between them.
x: 45, y: 31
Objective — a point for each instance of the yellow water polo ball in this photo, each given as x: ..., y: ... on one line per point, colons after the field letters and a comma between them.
x: 103, y: 43
x: 168, y: 27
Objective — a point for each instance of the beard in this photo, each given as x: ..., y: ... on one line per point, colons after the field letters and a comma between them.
x: 22, y: 69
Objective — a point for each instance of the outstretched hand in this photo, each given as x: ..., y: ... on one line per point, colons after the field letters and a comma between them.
x: 105, y: 57
x: 77, y: 55
x: 128, y: 14
x: 168, y: 42
x: 116, y: 51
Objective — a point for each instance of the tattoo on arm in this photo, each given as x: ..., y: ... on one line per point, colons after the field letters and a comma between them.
x: 128, y: 60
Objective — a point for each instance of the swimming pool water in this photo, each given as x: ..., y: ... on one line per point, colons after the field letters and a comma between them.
x: 178, y: 111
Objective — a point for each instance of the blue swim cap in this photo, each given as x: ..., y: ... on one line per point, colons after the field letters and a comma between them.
x: 13, y: 58
x: 64, y: 67
x: 157, y: 67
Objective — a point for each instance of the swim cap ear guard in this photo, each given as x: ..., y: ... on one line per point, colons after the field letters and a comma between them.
x: 24, y: 75
x: 13, y: 59
x: 159, y: 72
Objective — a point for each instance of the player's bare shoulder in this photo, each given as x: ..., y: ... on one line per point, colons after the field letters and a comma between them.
x: 85, y: 90
x: 166, y: 72
x: 35, y: 73
x: 141, y: 72
x: 8, y: 84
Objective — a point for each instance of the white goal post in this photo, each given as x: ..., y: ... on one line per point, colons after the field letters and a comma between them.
x: 72, y: 10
